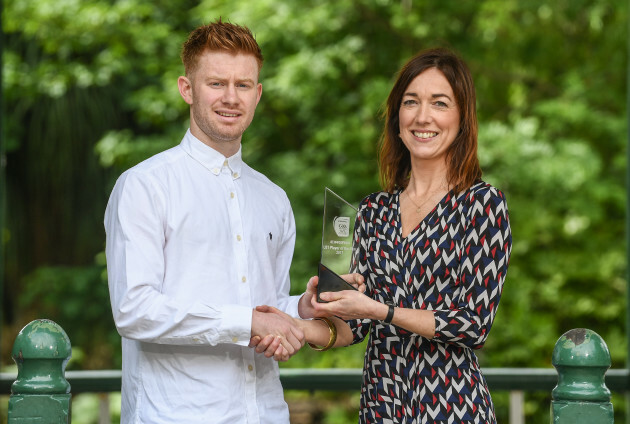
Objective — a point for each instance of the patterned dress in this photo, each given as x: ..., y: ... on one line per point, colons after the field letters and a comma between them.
x: 454, y: 263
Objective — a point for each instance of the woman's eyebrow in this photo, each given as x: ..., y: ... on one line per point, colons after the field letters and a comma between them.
x: 433, y: 96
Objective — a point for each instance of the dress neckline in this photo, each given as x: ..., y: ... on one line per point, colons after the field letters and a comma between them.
x: 413, y: 233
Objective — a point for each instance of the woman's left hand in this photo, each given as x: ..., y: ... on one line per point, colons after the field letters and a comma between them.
x: 347, y: 304
x: 306, y: 302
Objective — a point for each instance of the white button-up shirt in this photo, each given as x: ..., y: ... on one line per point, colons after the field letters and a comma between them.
x: 194, y: 242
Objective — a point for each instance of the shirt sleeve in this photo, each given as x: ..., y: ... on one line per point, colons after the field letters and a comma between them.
x: 481, y: 273
x: 286, y: 303
x: 135, y: 240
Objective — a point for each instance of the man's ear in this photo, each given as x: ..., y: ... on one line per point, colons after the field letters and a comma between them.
x: 185, y: 89
x: 259, y: 95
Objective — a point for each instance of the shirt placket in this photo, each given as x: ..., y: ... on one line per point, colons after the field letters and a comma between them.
x: 243, y: 287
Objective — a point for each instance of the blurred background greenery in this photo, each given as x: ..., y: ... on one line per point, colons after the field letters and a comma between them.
x: 89, y: 90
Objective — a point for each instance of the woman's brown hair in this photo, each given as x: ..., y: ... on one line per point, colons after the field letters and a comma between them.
x: 461, y: 156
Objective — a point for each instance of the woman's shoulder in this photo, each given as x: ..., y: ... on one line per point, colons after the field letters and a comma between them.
x: 482, y: 191
x: 376, y: 200
x: 482, y: 198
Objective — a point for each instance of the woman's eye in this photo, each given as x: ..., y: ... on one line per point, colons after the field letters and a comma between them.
x: 409, y: 102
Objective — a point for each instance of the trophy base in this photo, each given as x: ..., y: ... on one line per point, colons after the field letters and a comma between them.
x: 330, y: 282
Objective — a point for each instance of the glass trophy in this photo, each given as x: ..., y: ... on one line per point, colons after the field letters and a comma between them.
x: 337, y: 233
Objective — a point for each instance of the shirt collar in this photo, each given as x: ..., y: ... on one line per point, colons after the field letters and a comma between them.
x: 211, y: 159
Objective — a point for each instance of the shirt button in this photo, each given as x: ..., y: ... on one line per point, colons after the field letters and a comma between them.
x: 215, y: 170
x: 244, y: 279
x: 250, y: 367
x: 232, y: 195
x: 225, y: 163
x: 235, y: 175
x: 234, y: 339
x: 238, y: 238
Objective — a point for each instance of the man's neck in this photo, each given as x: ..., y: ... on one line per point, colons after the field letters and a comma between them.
x: 226, y: 148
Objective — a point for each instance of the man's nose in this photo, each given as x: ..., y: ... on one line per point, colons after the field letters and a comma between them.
x: 230, y: 94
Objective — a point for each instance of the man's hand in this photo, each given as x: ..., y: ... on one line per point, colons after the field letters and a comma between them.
x: 305, y: 307
x: 275, y: 333
x: 270, y: 346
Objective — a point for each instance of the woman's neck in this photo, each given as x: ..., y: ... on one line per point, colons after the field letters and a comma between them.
x: 427, y: 179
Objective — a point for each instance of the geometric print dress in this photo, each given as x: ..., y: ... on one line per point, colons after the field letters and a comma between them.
x: 454, y: 263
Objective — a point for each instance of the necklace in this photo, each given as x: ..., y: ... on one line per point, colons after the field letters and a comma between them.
x: 419, y: 207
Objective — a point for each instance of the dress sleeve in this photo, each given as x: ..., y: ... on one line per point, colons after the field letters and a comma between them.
x: 482, y: 268
x: 360, y: 327
x: 135, y: 228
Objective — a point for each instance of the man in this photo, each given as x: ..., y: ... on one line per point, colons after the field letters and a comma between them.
x: 195, y: 240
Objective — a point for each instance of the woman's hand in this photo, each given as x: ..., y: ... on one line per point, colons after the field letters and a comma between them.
x: 349, y: 304
x: 305, y: 307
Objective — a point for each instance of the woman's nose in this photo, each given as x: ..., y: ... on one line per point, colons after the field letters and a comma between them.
x: 423, y: 114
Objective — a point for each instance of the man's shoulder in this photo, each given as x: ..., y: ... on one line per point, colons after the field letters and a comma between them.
x: 150, y: 171
x: 156, y: 166
x: 158, y: 161
x: 261, y: 182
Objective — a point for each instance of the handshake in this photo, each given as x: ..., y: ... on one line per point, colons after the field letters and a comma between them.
x: 279, y: 335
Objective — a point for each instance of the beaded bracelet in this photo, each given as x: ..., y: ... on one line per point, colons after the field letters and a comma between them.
x: 333, y: 336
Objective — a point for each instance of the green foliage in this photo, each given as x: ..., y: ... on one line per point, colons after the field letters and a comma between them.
x: 90, y: 89
x: 86, y: 408
x: 77, y: 299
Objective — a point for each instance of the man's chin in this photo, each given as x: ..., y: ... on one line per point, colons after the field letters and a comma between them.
x: 226, y: 136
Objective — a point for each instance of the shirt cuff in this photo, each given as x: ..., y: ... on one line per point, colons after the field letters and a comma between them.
x: 236, y: 324
x: 292, y: 306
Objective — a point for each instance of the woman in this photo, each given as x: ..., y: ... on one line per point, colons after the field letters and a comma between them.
x: 433, y: 248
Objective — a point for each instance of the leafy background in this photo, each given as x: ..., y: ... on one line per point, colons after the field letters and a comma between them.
x: 89, y: 89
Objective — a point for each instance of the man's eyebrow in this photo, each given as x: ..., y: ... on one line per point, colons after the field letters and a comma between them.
x: 222, y: 79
